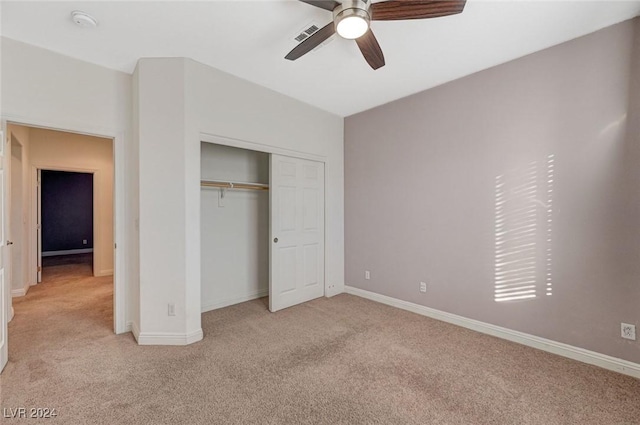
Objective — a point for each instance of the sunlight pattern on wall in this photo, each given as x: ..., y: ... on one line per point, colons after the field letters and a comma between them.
x: 549, y: 210
x: 523, y: 225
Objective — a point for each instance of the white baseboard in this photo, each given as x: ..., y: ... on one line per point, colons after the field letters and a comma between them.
x: 12, y: 314
x: 19, y: 292
x: 67, y: 252
x: 102, y: 273
x: 565, y: 350
x: 134, y: 330
x: 232, y: 301
x: 162, y: 338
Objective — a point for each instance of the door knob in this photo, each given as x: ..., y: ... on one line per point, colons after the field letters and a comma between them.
x: 9, y: 243
x: 275, y: 240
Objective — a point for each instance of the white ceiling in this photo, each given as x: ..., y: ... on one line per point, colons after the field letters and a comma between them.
x: 250, y: 39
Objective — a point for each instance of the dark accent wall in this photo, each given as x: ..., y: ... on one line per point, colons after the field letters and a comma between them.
x: 67, y: 210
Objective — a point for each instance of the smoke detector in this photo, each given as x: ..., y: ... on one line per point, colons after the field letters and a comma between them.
x: 83, y: 20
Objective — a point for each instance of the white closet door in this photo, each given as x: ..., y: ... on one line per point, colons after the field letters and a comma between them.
x: 296, y: 194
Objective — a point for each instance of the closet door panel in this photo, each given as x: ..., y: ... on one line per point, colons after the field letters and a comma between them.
x: 287, y: 207
x: 296, y: 225
x: 310, y: 213
x: 311, y: 259
x: 288, y: 270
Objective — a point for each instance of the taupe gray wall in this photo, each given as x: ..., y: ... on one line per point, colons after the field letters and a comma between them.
x: 420, y: 190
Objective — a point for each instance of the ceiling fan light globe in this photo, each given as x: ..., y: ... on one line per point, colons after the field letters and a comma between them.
x: 351, y: 19
x: 352, y: 27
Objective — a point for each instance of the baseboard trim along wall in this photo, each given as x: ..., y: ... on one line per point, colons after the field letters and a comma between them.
x: 67, y: 252
x: 565, y: 350
x: 102, y: 273
x: 19, y: 292
x: 232, y: 301
x: 134, y: 330
x: 162, y: 338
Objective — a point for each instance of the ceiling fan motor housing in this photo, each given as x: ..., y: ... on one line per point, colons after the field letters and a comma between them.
x: 352, y: 9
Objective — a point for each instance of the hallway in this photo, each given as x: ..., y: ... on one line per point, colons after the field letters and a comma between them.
x: 68, y: 310
x: 68, y: 290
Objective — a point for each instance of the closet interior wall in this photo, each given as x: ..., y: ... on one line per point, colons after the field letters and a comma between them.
x: 234, y: 227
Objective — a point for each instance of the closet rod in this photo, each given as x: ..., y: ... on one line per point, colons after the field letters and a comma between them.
x: 234, y: 185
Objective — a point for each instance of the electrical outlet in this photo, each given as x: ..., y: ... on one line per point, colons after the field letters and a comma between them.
x: 628, y: 331
x: 172, y: 309
x: 423, y: 286
x: 84, y: 242
x: 367, y: 274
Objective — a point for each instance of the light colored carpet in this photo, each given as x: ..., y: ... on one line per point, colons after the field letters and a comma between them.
x: 343, y: 360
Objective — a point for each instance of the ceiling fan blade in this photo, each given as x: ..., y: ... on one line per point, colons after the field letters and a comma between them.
x: 415, y: 9
x: 371, y: 50
x: 312, y: 42
x: 322, y: 4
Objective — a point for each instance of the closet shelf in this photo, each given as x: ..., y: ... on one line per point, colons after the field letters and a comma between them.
x: 233, y: 185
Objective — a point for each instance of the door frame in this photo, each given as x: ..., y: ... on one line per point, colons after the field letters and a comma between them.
x: 38, y: 202
x: 253, y: 146
x: 6, y: 313
x: 9, y: 270
x: 119, y: 284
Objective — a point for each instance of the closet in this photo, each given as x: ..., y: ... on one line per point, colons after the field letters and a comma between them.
x: 262, y: 227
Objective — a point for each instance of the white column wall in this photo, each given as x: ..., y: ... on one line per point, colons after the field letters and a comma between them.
x: 179, y: 101
x: 163, y: 252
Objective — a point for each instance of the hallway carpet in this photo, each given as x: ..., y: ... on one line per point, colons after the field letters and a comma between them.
x: 343, y: 360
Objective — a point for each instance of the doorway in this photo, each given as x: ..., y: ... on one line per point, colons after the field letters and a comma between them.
x: 66, y: 219
x: 67, y: 210
x: 115, y: 231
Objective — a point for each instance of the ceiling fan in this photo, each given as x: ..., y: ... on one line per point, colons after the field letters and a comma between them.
x: 351, y: 20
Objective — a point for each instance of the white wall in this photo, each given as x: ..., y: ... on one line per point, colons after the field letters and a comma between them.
x: 132, y: 161
x: 176, y: 100
x: 160, y: 133
x: 235, y: 228
x: 179, y: 101
x: 223, y: 105
x: 40, y: 87
x: 43, y: 86
x: 57, y: 150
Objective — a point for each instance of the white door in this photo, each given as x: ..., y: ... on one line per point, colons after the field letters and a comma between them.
x: 39, y: 225
x: 15, y: 216
x: 5, y: 294
x: 296, y: 252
